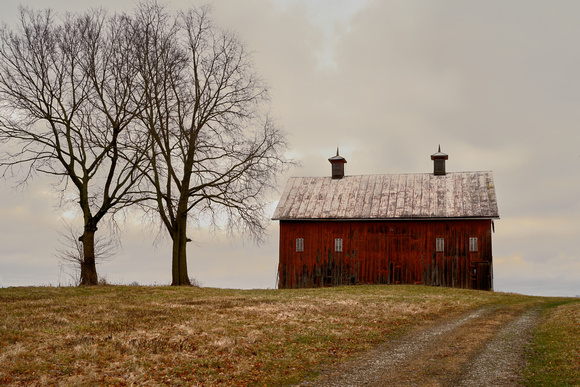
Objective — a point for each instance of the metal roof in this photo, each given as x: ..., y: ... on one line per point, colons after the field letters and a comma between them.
x: 396, y: 196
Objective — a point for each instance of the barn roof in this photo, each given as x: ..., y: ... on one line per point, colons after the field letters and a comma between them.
x: 393, y: 196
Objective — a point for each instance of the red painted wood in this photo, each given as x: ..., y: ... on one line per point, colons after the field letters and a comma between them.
x: 385, y: 252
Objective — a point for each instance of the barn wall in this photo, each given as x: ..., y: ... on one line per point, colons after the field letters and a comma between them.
x: 385, y: 252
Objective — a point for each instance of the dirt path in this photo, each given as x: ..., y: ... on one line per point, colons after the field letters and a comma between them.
x: 483, y: 348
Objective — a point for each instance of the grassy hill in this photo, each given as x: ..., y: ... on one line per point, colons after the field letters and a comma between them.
x: 121, y: 335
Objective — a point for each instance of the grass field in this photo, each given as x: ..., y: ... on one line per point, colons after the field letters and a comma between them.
x: 123, y: 335
x: 555, y: 351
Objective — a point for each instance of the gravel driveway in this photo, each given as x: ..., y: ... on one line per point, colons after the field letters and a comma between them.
x: 483, y: 348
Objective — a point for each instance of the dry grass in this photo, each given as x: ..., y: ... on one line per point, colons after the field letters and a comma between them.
x: 130, y: 335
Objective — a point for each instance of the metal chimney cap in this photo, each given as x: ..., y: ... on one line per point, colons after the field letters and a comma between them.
x: 337, y: 159
x: 439, y: 155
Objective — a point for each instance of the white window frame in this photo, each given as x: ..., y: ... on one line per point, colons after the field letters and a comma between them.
x: 299, y: 245
x: 338, y: 245
x: 473, y: 244
x: 439, y: 244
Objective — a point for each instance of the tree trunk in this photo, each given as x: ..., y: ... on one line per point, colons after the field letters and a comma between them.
x: 179, y: 263
x: 88, y: 265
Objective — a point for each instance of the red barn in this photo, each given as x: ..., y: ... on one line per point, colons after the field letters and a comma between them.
x: 423, y: 228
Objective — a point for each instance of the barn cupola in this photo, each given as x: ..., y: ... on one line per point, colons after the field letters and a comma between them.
x: 439, y: 162
x: 337, y: 163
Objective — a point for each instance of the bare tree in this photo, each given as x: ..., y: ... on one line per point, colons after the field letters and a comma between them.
x: 68, y: 99
x: 71, y: 253
x: 215, y: 152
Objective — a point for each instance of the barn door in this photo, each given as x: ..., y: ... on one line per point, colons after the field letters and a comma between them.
x: 482, y: 276
x: 394, y: 259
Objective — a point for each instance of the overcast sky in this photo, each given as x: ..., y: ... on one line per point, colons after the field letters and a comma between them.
x: 496, y: 83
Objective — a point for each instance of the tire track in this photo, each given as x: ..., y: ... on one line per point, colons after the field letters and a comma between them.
x: 482, y: 348
x: 500, y: 363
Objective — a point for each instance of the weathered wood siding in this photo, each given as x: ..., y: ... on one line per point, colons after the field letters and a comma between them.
x: 386, y: 252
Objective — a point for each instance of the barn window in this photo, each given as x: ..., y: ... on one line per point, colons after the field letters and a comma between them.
x: 299, y: 244
x: 472, y: 244
x: 338, y: 244
x: 440, y: 244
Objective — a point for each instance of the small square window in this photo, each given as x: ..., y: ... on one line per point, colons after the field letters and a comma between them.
x: 299, y: 244
x: 473, y: 244
x: 338, y: 244
x: 440, y: 244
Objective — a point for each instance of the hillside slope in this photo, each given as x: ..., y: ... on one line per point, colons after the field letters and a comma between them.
x: 126, y: 335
